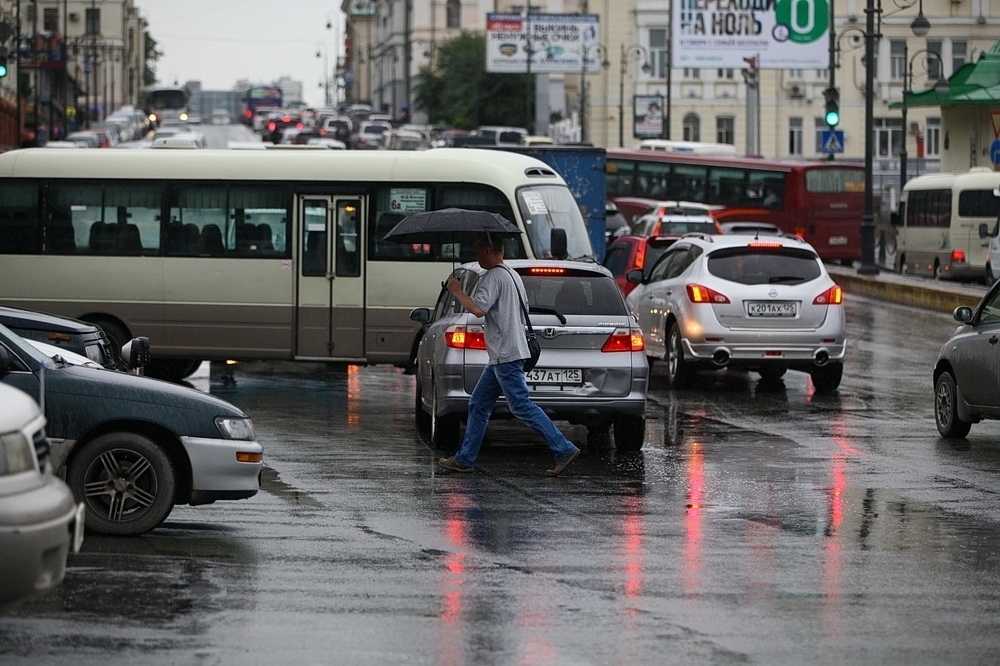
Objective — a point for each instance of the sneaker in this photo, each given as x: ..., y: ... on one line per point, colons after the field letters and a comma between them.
x: 454, y: 465
x: 561, y: 465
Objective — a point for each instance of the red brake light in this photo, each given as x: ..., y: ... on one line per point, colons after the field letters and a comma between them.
x: 461, y: 337
x: 271, y: 126
x: 765, y: 245
x: 832, y: 296
x: 958, y: 256
x: 543, y: 270
x: 699, y: 294
x: 624, y: 340
x: 286, y: 119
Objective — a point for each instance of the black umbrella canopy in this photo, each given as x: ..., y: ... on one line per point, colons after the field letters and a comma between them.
x: 451, y: 225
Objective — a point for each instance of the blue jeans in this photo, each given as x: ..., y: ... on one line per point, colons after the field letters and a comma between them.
x: 508, y: 379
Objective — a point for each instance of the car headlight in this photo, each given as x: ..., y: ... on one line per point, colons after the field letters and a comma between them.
x: 15, y: 454
x: 233, y: 427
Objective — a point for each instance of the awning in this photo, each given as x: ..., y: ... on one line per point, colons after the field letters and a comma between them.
x: 973, y: 84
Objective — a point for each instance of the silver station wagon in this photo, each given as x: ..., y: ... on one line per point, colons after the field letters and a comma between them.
x: 592, y: 370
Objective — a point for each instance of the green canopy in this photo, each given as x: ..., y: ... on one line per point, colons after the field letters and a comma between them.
x: 973, y: 84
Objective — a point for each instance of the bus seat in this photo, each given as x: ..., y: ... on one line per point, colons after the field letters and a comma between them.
x: 210, y: 243
x: 129, y: 240
x: 385, y: 224
x: 60, y: 237
x: 175, y: 238
x: 99, y: 238
x: 264, y: 238
x: 192, y: 237
x: 246, y: 237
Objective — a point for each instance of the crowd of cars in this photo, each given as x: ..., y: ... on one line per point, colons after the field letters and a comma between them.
x: 114, y: 451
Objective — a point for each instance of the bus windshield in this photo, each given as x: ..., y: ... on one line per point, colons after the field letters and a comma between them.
x: 545, y: 208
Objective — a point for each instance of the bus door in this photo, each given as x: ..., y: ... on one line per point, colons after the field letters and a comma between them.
x: 330, y: 300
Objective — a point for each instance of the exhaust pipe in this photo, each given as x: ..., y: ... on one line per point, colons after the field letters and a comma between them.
x: 720, y: 357
x: 821, y: 357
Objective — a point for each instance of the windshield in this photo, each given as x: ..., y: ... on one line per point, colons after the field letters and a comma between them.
x: 545, y: 207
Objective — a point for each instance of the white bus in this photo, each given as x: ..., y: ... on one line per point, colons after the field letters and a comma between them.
x: 944, y: 224
x: 250, y: 255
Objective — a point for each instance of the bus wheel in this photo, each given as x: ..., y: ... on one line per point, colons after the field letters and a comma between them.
x: 126, y: 481
x: 937, y: 271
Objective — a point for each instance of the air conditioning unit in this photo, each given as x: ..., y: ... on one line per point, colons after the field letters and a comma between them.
x: 74, y: 16
x: 796, y: 91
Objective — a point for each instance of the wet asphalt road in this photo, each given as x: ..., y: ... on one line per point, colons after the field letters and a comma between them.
x: 759, y: 524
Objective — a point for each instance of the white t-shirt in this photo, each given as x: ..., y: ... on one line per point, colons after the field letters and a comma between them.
x: 505, y: 328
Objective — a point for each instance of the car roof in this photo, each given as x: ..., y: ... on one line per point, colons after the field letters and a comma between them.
x: 718, y: 241
x: 16, y: 317
x: 519, y: 264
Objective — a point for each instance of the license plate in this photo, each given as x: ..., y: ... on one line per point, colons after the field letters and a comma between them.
x: 772, y: 309
x: 554, y: 376
x: 838, y: 240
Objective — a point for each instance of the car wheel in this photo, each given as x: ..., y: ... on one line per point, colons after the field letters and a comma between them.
x: 680, y: 374
x: 422, y: 418
x: 938, y: 272
x: 946, y: 408
x: 827, y: 378
x: 630, y: 433
x: 444, y: 428
x: 126, y: 481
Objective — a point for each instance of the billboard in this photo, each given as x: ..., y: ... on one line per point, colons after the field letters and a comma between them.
x: 785, y: 34
x: 647, y: 121
x: 557, y: 42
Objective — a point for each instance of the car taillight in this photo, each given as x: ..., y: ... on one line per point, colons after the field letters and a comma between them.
x: 640, y: 256
x: 958, y: 256
x: 323, y: 132
x: 624, y: 340
x: 271, y: 126
x: 832, y: 296
x: 462, y: 337
x: 699, y: 294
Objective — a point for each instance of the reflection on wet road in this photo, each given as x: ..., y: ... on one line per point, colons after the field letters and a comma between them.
x: 761, y: 523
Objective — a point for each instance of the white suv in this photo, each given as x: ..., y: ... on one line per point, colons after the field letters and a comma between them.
x: 763, y: 304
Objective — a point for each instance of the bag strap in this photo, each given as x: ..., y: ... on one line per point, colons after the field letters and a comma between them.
x: 524, y: 310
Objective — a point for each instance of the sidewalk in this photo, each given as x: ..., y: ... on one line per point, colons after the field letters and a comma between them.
x: 939, y: 295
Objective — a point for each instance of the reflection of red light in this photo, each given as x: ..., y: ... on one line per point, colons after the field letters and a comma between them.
x: 353, y: 397
x: 632, y: 528
x: 692, y: 519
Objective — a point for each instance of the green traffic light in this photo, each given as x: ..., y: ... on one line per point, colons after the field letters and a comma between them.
x: 3, y: 69
x: 832, y: 117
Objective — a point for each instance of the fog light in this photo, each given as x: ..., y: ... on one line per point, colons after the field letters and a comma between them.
x: 249, y: 457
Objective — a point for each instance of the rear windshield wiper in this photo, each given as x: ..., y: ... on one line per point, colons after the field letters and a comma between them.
x: 551, y: 311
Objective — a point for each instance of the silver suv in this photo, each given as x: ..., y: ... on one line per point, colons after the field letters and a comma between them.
x: 592, y: 370
x: 763, y: 304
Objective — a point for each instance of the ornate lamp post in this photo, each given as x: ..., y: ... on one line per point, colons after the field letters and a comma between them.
x: 629, y: 54
x: 602, y: 53
x: 940, y: 85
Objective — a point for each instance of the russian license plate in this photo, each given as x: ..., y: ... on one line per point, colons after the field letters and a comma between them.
x: 772, y: 309
x: 554, y: 376
x: 838, y: 240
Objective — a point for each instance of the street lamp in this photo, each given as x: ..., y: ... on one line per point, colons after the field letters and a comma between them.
x: 629, y: 55
x: 941, y: 86
x: 601, y: 52
x: 322, y: 53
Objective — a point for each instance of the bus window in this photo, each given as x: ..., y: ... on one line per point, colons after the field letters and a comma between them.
x: 197, y: 207
x: 688, y: 183
x: 19, y: 219
x: 348, y: 258
x: 314, y: 260
x: 928, y: 208
x: 258, y: 220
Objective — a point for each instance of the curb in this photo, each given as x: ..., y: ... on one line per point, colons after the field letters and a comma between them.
x: 922, y: 293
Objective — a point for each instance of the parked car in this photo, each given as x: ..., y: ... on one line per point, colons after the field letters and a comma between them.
x: 592, y: 370
x: 629, y: 253
x: 40, y: 522
x: 740, y: 302
x: 91, y: 138
x: 369, y: 135
x: 131, y: 447
x: 966, y: 385
x: 73, y: 335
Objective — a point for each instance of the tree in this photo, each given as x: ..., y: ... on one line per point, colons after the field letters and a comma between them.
x: 460, y: 92
x: 152, y: 54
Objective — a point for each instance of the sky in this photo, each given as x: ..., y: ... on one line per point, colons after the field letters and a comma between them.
x: 219, y: 42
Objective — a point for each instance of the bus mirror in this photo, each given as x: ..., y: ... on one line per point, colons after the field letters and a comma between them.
x: 557, y: 242
x: 894, y: 219
x: 984, y: 231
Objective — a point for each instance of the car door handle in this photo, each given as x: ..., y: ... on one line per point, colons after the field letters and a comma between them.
x: 993, y: 339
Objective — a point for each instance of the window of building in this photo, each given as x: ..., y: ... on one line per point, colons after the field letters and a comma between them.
x: 820, y: 126
x: 453, y: 14
x: 888, y: 137
x: 658, y: 53
x: 959, y: 54
x: 934, y: 62
x: 92, y: 18
x: 795, y: 136
x: 692, y: 73
x: 795, y: 74
x: 50, y: 19
x: 691, y: 127
x: 932, y: 138
x: 724, y: 73
x: 725, y: 129
x: 897, y: 59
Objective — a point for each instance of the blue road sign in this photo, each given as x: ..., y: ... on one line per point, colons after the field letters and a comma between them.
x: 995, y: 152
x: 833, y: 141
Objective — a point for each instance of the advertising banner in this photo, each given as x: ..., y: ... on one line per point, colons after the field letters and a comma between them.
x: 647, y: 122
x: 556, y: 42
x: 786, y: 34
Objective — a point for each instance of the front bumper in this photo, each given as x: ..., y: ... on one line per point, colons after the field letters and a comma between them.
x: 216, y: 474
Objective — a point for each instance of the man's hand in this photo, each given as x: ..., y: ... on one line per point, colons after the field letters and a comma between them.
x: 453, y: 285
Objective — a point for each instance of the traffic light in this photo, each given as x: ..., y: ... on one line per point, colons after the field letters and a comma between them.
x: 832, y: 116
x: 3, y: 66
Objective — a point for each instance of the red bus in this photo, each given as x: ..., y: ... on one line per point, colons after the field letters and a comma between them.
x: 819, y: 201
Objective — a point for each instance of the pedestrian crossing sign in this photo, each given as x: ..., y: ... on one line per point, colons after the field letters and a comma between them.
x: 833, y: 141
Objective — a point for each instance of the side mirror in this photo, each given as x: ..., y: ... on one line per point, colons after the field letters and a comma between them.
x: 420, y: 315
x: 634, y: 276
x: 963, y: 314
x: 135, y: 353
x: 894, y: 219
x: 557, y: 241
x: 984, y: 231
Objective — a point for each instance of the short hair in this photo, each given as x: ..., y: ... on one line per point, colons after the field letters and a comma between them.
x: 495, y: 243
